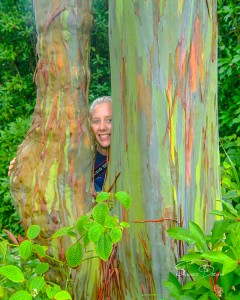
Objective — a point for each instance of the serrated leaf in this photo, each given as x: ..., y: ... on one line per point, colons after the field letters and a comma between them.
x: 40, y: 250
x: 52, y: 291
x: 13, y: 273
x: 74, y: 255
x: 80, y: 223
x: 110, y: 221
x: 62, y: 295
x: 125, y: 224
x: 124, y: 198
x: 104, y: 247
x: 25, y: 249
x: 33, y: 231
x: 37, y: 283
x: 85, y: 240
x: 116, y: 235
x: 42, y: 268
x: 64, y: 231
x: 95, y: 232
x: 100, y: 211
x: 103, y: 196
x: 198, y: 236
x: 88, y: 225
x: 21, y: 295
x: 180, y: 233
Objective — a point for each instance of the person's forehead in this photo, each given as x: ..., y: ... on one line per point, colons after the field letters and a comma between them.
x: 102, y: 109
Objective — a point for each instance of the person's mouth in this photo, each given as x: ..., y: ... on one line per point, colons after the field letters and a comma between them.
x: 104, y: 136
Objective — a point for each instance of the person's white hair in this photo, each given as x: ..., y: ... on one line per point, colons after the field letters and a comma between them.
x: 99, y: 101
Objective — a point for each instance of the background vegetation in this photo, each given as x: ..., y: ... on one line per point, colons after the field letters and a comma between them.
x: 17, y: 90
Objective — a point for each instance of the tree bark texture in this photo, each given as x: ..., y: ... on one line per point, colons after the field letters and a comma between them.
x: 165, y: 133
x: 51, y: 183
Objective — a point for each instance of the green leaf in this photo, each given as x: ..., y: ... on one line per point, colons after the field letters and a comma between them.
x: 74, y: 255
x: 95, y: 232
x: 51, y: 291
x: 64, y: 231
x: 40, y: 250
x: 216, y: 256
x: 198, y: 236
x: 85, y: 240
x: 42, y: 268
x: 191, y: 257
x: 231, y: 209
x: 33, y: 231
x: 25, y: 249
x: 13, y: 273
x: 81, y: 222
x: 104, y: 247
x: 103, y: 196
x: 223, y: 213
x: 21, y: 295
x: 37, y: 283
x: 226, y: 281
x: 110, y: 221
x: 100, y: 211
x: 116, y: 235
x: 124, y: 198
x: 180, y: 233
x: 62, y: 295
x: 173, y: 286
x: 125, y: 224
x: 219, y: 227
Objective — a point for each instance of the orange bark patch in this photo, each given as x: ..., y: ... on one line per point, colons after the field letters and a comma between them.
x: 60, y: 60
x: 195, y: 51
x: 144, y: 102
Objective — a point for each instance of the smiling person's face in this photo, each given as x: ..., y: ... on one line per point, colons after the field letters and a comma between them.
x: 101, y: 123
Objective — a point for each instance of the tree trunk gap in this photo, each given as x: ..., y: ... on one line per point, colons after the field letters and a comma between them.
x: 164, y: 142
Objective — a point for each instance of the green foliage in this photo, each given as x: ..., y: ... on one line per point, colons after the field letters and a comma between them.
x: 229, y: 67
x: 100, y: 61
x: 230, y: 169
x: 211, y: 269
x: 22, y: 273
x: 98, y: 230
x: 23, y: 266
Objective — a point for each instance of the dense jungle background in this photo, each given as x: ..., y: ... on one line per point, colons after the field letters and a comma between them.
x: 17, y: 89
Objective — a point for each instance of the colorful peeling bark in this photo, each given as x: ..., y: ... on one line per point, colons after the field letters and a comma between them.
x: 51, y: 184
x: 165, y: 135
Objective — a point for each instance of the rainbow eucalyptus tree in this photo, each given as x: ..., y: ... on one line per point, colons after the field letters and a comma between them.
x: 51, y: 183
x: 165, y: 141
x: 165, y: 135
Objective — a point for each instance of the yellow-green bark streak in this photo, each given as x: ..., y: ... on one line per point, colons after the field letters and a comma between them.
x: 165, y: 138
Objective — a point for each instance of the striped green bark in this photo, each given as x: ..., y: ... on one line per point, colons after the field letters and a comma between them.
x: 51, y: 184
x: 165, y: 135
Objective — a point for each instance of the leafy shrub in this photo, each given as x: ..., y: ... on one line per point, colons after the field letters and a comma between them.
x: 211, y: 269
x: 23, y: 265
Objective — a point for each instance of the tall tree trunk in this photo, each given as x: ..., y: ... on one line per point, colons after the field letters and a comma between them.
x: 165, y: 135
x: 51, y: 184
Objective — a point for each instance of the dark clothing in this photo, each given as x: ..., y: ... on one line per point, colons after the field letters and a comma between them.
x: 100, y: 168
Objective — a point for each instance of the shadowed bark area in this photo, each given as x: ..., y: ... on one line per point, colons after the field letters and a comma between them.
x: 51, y: 183
x: 165, y: 135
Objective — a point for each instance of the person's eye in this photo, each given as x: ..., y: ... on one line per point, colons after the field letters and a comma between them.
x: 96, y: 121
x: 109, y: 120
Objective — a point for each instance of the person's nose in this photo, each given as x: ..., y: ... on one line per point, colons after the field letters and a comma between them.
x: 102, y: 126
